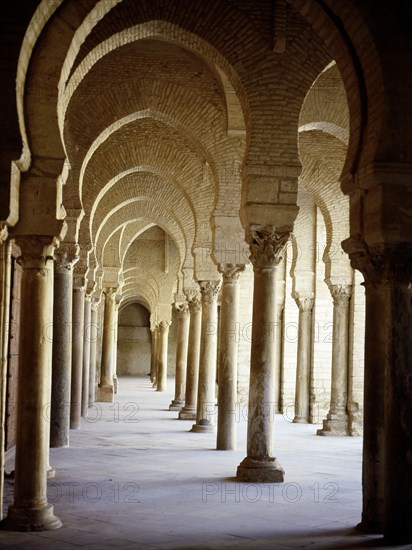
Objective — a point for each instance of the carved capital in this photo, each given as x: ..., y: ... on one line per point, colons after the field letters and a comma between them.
x: 382, y: 263
x: 231, y: 272
x: 164, y: 326
x: 209, y: 290
x: 36, y: 252
x: 4, y: 231
x: 193, y: 299
x: 266, y: 244
x: 304, y: 302
x: 341, y: 294
x: 66, y: 256
x: 182, y: 309
x: 110, y: 295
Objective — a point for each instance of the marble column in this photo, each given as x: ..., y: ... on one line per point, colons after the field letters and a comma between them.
x: 193, y: 356
x: 30, y: 509
x: 304, y: 357
x: 86, y: 355
x: 266, y: 244
x: 94, y: 334
x: 387, y: 439
x: 162, y: 355
x: 77, y: 352
x: 227, y: 388
x: 206, y: 394
x: 65, y: 258
x: 336, y: 422
x: 183, y: 320
x: 106, y: 384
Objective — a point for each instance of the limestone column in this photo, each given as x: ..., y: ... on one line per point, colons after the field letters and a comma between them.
x: 193, y: 356
x: 206, y: 399
x: 183, y: 321
x: 30, y: 509
x: 162, y: 355
x: 266, y: 245
x: 116, y: 334
x: 86, y: 355
x: 279, y: 363
x: 336, y: 422
x: 303, y: 367
x: 77, y: 351
x: 65, y: 258
x: 106, y: 384
x: 94, y: 332
x: 227, y: 388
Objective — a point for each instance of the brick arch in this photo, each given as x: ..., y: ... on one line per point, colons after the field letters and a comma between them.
x: 346, y: 33
x: 146, y: 209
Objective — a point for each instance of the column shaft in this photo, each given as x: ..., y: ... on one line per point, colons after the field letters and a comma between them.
x: 162, y: 354
x: 30, y: 509
x: 62, y: 353
x: 193, y: 357
x: 77, y: 357
x: 227, y: 389
x: 106, y: 385
x: 303, y: 367
x: 86, y: 356
x: 93, y: 353
x: 183, y: 321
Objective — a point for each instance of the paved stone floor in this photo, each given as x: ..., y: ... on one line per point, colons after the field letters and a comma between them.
x: 134, y: 477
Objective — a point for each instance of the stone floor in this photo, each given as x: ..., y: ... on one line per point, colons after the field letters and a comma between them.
x: 134, y: 477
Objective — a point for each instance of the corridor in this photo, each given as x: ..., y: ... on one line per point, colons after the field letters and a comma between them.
x: 135, y: 477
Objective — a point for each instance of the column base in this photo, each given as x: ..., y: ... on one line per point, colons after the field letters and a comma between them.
x: 262, y: 470
x: 300, y: 420
x: 176, y: 405
x: 30, y: 519
x: 105, y: 394
x: 115, y: 385
x: 334, y: 424
x: 370, y: 527
x: 203, y: 426
x: 187, y: 413
x: 51, y: 473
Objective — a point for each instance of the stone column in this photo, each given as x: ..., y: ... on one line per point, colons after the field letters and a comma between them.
x: 206, y: 398
x: 162, y: 355
x: 94, y: 334
x: 266, y: 244
x: 387, y: 434
x: 116, y: 333
x: 303, y: 367
x: 336, y: 422
x: 227, y: 389
x: 153, y: 358
x: 86, y: 355
x: 77, y: 352
x: 183, y: 321
x: 30, y: 509
x: 193, y: 356
x: 106, y: 384
x: 65, y: 258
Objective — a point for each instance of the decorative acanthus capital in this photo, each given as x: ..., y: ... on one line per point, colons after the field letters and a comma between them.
x: 4, y: 231
x: 341, y: 294
x: 182, y: 309
x: 193, y: 299
x: 66, y: 256
x: 381, y: 263
x: 164, y: 326
x: 305, y: 302
x: 266, y: 244
x: 231, y: 272
x: 209, y: 290
x: 110, y: 295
